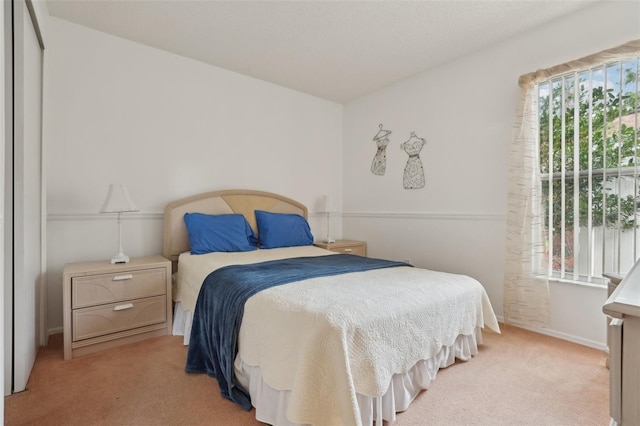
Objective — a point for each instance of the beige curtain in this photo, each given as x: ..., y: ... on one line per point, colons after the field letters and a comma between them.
x: 526, y: 287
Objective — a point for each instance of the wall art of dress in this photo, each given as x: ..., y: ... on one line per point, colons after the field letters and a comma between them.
x: 379, y: 163
x: 413, y: 172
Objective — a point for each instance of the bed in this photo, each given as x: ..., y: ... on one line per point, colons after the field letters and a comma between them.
x: 346, y: 341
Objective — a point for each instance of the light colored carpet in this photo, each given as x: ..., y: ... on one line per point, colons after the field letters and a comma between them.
x: 517, y: 378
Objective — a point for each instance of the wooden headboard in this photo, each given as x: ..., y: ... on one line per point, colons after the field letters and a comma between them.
x: 242, y: 201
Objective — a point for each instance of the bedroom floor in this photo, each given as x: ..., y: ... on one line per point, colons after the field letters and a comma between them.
x: 518, y: 377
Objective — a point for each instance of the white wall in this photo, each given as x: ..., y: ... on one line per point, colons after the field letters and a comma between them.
x: 465, y: 110
x: 167, y: 127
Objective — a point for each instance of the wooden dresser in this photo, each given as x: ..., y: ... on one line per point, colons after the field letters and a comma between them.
x: 108, y: 305
x: 623, y: 306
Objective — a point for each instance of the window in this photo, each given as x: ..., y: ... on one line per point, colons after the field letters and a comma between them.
x: 589, y: 140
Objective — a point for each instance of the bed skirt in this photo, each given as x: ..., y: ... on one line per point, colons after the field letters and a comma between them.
x: 271, y: 404
x: 182, y: 322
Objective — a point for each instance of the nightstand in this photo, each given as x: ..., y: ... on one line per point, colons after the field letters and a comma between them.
x: 345, y: 247
x: 107, y: 305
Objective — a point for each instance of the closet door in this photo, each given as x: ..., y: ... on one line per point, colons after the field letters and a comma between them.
x: 3, y: 137
x: 24, y: 176
x: 7, y: 304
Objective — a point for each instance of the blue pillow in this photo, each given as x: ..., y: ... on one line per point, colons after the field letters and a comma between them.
x: 282, y: 230
x: 224, y: 232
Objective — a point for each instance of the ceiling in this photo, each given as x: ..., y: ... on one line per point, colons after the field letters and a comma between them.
x: 336, y: 50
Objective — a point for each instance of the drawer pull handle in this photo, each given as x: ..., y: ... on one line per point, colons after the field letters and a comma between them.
x: 122, y: 277
x: 348, y: 250
x: 123, y: 307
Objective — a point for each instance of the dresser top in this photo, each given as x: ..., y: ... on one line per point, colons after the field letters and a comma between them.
x: 106, y: 267
x: 625, y: 300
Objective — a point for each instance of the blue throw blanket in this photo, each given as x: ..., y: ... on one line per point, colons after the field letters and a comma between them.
x: 220, y: 307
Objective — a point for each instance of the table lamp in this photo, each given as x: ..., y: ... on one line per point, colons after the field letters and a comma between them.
x: 118, y: 201
x: 326, y: 207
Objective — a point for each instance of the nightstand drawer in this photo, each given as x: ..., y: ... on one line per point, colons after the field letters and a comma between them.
x: 106, y: 319
x: 359, y: 250
x: 112, y: 288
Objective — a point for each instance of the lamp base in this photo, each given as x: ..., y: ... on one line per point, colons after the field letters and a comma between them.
x: 120, y: 258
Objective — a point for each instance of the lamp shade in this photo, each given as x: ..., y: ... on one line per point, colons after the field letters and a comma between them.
x: 118, y: 200
x: 325, y: 204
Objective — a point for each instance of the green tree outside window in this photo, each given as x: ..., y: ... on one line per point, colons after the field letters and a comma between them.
x: 613, y: 105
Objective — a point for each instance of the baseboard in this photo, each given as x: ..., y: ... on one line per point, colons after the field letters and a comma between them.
x: 545, y: 331
x: 55, y: 330
x: 570, y: 338
x: 563, y: 336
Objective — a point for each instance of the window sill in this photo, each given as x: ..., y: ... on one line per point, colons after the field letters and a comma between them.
x: 602, y: 286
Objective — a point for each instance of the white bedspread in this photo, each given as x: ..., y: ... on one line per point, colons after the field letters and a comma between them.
x: 328, y: 338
